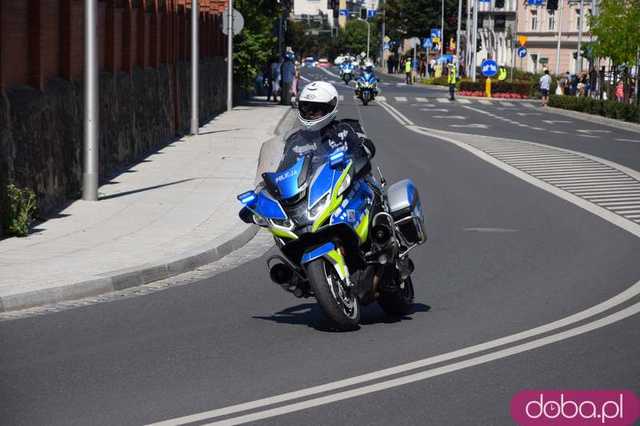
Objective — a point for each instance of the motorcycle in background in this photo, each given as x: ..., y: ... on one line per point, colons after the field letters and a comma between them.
x: 366, y: 88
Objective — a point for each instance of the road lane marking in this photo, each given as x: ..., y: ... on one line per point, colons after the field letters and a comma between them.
x: 557, y: 121
x: 330, y: 73
x: 507, y: 104
x: 400, y: 99
x: 422, y: 100
x: 559, y: 132
x: 341, y: 98
x: 434, y: 109
x: 450, y: 117
x: 443, y: 100
x: 380, y: 98
x: 401, y: 118
x: 484, y: 102
x: 627, y: 140
x: 426, y: 362
x: 524, y: 114
x: 471, y: 126
x: 463, y: 101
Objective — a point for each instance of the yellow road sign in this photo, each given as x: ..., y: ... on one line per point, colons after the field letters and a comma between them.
x: 522, y: 40
x: 503, y: 74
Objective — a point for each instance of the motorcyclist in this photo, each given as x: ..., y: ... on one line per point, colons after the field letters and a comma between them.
x: 367, y: 75
x: 321, y: 133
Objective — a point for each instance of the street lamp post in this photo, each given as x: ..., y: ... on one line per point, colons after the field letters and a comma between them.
x: 230, y: 56
x: 579, y: 53
x: 195, y: 61
x: 91, y: 113
x: 474, y: 42
x: 458, y: 31
x: 559, y: 36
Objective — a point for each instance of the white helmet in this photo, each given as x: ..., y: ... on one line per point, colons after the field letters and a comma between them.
x: 317, y: 105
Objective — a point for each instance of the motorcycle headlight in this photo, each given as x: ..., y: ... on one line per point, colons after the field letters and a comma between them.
x: 344, y: 185
x: 319, y: 206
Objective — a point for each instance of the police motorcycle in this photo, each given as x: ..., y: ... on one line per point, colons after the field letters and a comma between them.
x: 346, y: 71
x: 367, y: 86
x: 344, y: 236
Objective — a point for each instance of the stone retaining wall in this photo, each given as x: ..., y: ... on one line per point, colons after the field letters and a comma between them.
x: 41, y: 131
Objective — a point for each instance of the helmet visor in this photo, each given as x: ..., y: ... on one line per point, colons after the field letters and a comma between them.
x: 316, y: 110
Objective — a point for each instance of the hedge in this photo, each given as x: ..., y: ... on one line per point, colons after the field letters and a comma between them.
x: 530, y: 88
x: 609, y: 108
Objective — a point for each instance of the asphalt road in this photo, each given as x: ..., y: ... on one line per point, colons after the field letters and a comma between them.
x: 503, y: 257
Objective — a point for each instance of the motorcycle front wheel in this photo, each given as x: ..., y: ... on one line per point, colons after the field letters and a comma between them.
x: 333, y: 295
x: 365, y: 100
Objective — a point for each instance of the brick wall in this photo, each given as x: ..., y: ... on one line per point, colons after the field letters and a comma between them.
x: 144, y: 55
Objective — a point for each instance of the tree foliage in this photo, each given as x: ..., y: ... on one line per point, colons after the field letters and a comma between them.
x: 416, y: 18
x: 353, y: 39
x: 258, y: 40
x: 616, y: 30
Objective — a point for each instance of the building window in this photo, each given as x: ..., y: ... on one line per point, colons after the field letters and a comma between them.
x: 552, y: 20
x: 500, y: 23
x: 534, y: 20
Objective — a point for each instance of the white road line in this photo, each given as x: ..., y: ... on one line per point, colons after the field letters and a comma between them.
x: 484, y: 102
x: 548, y: 161
x: 400, y: 99
x: 585, y: 192
x: 434, y: 109
x: 588, y: 186
x: 507, y: 104
x: 528, y: 105
x: 559, y: 132
x: 463, y: 101
x: 380, y: 99
x: 628, y: 140
x: 634, y: 203
x: 422, y: 100
x: 396, y: 382
x: 557, y: 121
x: 608, y: 198
x: 471, y: 126
x: 451, y: 117
x: 625, y: 193
x: 443, y: 100
x: 397, y: 114
x: 594, y: 179
x: 633, y: 216
x: 524, y: 114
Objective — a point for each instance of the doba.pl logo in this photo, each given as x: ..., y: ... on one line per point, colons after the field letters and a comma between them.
x: 571, y: 407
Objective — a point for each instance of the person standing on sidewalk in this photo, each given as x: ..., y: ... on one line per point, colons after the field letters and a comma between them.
x: 451, y: 79
x: 408, y: 71
x: 288, y: 73
x: 275, y: 78
x: 545, y: 86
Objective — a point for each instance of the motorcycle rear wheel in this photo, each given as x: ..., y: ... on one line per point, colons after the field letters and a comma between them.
x: 398, y: 302
x: 333, y: 295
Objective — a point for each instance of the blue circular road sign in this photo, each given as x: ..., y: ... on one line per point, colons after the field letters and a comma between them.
x: 522, y: 52
x: 489, y: 67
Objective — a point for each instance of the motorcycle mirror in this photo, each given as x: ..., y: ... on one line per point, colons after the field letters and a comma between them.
x: 369, y: 146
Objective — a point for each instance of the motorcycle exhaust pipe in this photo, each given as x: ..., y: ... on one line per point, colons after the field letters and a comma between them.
x: 281, y: 274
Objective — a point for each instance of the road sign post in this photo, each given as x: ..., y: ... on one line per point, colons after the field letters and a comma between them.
x: 195, y: 62
x: 91, y: 169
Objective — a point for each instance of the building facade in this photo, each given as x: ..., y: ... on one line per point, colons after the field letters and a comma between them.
x: 496, y: 30
x: 543, y: 28
x: 312, y: 10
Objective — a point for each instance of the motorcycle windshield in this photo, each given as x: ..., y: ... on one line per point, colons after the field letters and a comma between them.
x: 289, y: 182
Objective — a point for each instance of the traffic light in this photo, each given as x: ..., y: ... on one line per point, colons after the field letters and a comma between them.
x: 363, y: 13
x: 552, y: 4
x: 500, y: 4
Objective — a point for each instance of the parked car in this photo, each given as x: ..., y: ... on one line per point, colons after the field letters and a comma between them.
x: 323, y: 63
x: 310, y: 62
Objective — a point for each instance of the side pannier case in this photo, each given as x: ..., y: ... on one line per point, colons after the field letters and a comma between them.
x: 406, y: 210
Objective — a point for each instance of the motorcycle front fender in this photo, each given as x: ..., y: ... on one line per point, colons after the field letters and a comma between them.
x: 329, y: 252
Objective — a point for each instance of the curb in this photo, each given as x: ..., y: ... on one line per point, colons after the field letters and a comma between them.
x: 605, y: 121
x: 139, y: 275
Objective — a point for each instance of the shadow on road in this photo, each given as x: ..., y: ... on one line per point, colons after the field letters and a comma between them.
x: 311, y: 315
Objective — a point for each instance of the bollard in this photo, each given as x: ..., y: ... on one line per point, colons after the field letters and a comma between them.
x: 487, y: 88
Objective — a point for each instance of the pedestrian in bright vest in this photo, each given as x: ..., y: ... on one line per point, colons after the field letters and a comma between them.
x: 407, y: 70
x: 451, y: 79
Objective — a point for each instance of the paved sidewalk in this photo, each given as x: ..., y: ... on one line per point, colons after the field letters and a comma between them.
x: 171, y: 213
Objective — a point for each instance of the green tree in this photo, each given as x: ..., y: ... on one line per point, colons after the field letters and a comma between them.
x: 415, y: 18
x: 257, y: 41
x: 617, y: 35
x: 353, y: 38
